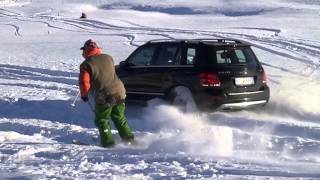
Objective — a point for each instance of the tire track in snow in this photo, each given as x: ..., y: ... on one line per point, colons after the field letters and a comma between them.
x: 102, y: 25
x: 310, y: 65
x: 16, y: 28
x: 281, y: 69
x: 43, y: 13
x: 93, y: 27
x: 8, y: 12
x: 265, y: 44
x: 305, y: 50
x: 290, y: 46
x: 129, y: 22
x: 84, y: 27
x: 275, y: 31
x: 132, y: 37
x: 98, y: 25
x: 261, y: 43
x: 95, y: 24
x: 47, y: 23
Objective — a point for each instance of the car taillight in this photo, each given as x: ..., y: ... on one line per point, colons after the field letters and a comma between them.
x: 264, y: 77
x: 209, y: 79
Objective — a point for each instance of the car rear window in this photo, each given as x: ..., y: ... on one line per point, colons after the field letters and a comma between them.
x: 230, y: 55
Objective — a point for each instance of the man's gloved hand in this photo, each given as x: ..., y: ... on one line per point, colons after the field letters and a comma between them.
x: 85, y: 99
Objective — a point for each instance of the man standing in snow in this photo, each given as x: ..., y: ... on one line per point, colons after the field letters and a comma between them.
x: 97, y: 74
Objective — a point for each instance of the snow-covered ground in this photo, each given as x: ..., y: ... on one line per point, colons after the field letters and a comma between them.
x: 39, y: 64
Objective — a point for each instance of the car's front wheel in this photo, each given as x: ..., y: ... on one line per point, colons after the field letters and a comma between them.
x: 182, y: 98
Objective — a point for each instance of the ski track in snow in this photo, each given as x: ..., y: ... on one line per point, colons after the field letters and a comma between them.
x: 40, y: 143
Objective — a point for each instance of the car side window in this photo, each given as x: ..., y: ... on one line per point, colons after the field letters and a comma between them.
x: 222, y: 57
x: 167, y: 55
x: 191, y: 55
x: 241, y: 56
x: 234, y: 56
x: 143, y: 56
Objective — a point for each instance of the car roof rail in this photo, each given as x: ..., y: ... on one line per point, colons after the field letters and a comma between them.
x: 222, y: 40
x: 218, y: 40
x: 165, y: 40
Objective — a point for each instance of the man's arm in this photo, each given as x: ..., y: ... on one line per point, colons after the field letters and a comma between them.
x: 84, y: 82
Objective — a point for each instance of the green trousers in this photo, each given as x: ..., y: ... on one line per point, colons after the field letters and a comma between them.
x: 102, y: 121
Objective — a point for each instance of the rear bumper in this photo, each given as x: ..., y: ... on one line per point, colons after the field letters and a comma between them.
x: 242, y: 105
x: 215, y: 100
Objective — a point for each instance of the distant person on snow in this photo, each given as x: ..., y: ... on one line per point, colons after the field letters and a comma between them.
x: 97, y: 74
x: 83, y: 15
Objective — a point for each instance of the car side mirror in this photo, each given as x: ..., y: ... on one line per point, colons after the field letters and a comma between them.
x: 123, y: 64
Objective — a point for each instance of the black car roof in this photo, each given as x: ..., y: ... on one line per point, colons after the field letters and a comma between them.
x: 216, y: 42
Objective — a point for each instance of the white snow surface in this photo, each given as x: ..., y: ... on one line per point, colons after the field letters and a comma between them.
x: 39, y: 66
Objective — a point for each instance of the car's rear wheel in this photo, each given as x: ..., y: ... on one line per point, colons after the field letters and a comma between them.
x: 182, y: 98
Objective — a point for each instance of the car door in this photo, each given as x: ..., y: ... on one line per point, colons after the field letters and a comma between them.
x: 182, y: 70
x: 136, y: 74
x: 165, y: 58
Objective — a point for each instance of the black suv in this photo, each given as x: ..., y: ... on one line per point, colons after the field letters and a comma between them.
x: 209, y: 74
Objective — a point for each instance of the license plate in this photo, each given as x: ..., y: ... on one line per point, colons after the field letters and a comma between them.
x: 244, y: 81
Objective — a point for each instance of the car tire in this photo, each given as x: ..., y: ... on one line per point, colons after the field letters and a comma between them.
x: 182, y: 98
